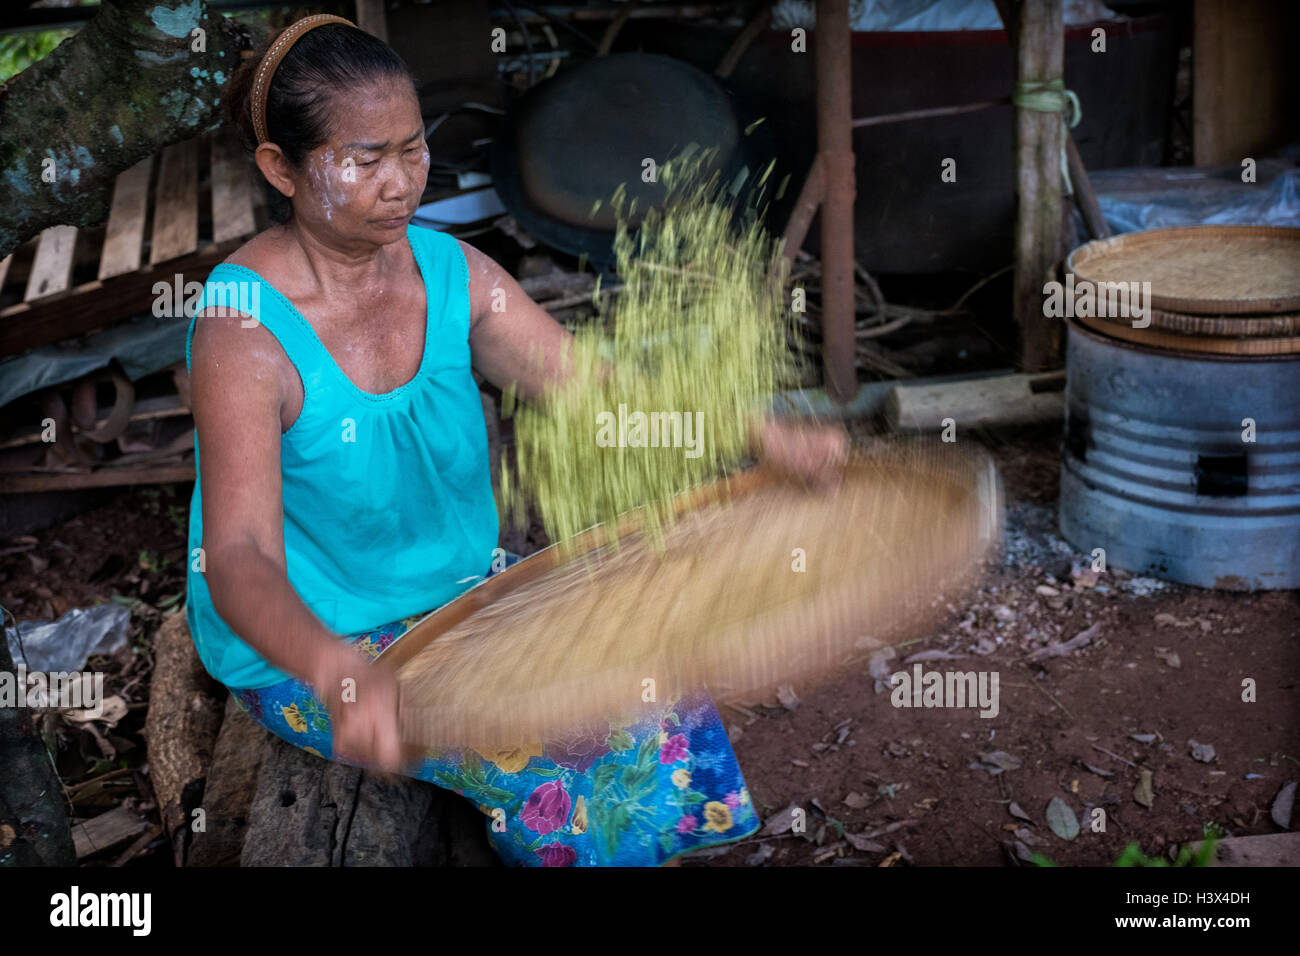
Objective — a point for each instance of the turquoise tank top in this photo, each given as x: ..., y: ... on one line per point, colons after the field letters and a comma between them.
x: 388, y: 506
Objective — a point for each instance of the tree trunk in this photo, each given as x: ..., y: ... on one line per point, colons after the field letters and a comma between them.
x: 141, y: 75
x: 185, y: 715
x: 33, y: 821
x: 311, y: 812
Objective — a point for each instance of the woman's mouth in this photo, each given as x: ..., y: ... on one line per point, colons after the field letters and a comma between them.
x: 394, y: 223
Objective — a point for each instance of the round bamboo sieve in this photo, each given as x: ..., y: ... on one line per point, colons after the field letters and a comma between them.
x: 759, y: 582
x: 1213, y: 271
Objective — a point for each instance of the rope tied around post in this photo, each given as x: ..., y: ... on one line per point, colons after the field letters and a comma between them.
x: 1051, y: 96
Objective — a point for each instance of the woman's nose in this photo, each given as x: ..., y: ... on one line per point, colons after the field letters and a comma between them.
x: 400, y: 179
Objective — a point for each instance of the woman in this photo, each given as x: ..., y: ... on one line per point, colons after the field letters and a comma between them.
x: 343, y: 482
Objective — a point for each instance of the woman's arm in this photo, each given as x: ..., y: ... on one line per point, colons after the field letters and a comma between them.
x: 237, y: 390
x: 508, y: 330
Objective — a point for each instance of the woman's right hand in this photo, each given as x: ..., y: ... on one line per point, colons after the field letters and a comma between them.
x: 362, y: 697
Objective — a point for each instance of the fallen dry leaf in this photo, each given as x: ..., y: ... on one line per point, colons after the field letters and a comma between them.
x: 860, y: 842
x: 1144, y: 793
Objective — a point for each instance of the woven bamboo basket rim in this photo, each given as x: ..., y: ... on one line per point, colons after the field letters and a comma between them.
x: 586, y: 634
x: 1212, y: 271
x: 1169, y: 341
x: 531, y: 568
x: 1276, y: 326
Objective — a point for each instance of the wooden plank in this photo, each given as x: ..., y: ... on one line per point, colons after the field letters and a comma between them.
x: 998, y: 400
x: 176, y: 205
x: 96, y: 304
x: 103, y: 478
x: 124, y: 238
x: 148, y: 409
x: 4, y: 268
x: 52, y: 267
x: 232, y: 191
x: 107, y: 830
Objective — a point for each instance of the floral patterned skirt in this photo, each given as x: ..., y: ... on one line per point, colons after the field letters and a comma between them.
x: 601, y: 795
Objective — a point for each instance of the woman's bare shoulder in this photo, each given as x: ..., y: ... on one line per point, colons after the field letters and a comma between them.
x: 262, y: 253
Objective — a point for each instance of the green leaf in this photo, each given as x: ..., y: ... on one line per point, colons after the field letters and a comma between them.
x: 449, y: 781
x: 472, y: 768
x: 635, y: 777
x: 693, y: 797
x: 620, y: 741
x: 619, y: 819
x: 604, y: 777
x: 491, y: 795
x: 648, y: 749
x: 545, y: 771
x: 1133, y: 856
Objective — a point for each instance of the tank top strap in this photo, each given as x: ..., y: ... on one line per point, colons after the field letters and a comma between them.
x: 242, y: 290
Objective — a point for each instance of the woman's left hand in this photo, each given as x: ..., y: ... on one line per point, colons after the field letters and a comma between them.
x: 813, y: 454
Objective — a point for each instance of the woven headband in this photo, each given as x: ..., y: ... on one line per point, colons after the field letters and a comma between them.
x: 271, y: 62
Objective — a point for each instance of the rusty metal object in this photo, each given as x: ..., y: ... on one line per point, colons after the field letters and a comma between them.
x: 76, y: 425
x: 85, y: 411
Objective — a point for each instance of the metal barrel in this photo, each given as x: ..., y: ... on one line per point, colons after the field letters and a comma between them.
x: 1183, y: 466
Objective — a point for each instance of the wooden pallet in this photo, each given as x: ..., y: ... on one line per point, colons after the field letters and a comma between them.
x: 131, y: 258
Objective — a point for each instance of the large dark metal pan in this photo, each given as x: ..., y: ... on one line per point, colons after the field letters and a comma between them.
x: 575, y: 139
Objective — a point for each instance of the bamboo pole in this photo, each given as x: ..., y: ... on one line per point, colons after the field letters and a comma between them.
x: 1037, y: 35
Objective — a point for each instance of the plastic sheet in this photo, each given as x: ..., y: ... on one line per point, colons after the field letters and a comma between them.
x: 142, y: 345
x: 65, y: 645
x: 1192, y: 197
x: 871, y: 15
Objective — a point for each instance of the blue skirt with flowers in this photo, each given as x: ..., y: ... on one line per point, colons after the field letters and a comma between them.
x: 599, y: 795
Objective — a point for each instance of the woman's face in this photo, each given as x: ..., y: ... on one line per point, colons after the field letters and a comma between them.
x: 366, y: 181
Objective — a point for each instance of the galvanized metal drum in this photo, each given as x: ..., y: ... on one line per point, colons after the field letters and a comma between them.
x: 1184, y: 466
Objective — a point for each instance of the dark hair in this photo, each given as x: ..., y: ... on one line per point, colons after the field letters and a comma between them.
x: 324, y: 62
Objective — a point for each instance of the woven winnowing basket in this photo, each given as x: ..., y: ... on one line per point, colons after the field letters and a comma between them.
x: 758, y: 583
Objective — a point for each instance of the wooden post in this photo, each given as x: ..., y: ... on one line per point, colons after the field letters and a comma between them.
x: 372, y: 19
x: 1241, y: 78
x: 835, y: 153
x: 1037, y: 35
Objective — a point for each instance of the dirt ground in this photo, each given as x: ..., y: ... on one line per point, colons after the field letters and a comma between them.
x: 1165, y: 667
x: 879, y: 785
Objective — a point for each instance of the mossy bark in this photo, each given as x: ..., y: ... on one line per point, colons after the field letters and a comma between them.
x: 141, y: 75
